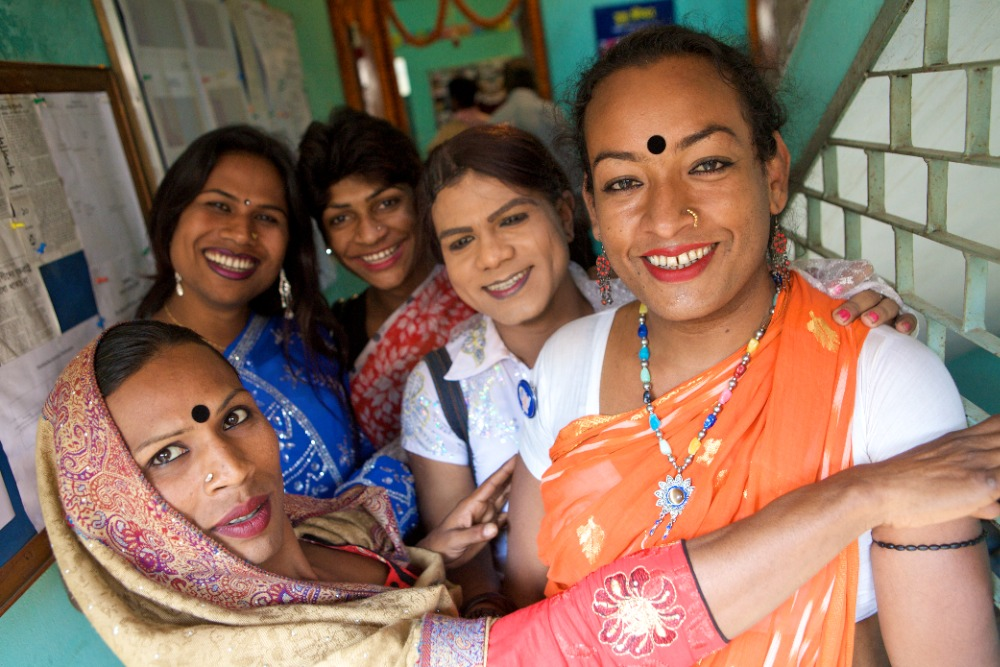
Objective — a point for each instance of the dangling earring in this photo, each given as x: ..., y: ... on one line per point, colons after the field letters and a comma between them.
x: 177, y: 284
x: 285, y: 292
x: 604, y: 278
x: 777, y: 253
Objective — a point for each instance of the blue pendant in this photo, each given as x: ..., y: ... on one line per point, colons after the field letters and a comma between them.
x: 526, y: 397
x: 672, y: 497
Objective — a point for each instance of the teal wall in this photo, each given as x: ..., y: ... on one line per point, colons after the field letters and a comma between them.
x: 831, y: 35
x: 29, y: 635
x: 571, y: 39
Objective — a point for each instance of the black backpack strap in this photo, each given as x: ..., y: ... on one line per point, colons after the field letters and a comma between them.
x: 451, y: 398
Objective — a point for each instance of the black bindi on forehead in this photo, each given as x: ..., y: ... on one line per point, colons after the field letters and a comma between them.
x: 200, y: 414
x: 656, y: 144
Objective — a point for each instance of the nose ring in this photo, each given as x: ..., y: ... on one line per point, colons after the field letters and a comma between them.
x: 693, y: 215
x: 209, y: 478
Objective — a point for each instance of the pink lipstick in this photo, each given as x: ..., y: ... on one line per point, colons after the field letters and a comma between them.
x: 246, y: 520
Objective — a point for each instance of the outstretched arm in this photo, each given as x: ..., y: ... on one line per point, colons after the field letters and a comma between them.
x: 781, y: 546
x: 793, y: 536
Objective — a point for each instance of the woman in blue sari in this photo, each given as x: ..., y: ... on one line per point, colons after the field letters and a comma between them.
x: 236, y: 262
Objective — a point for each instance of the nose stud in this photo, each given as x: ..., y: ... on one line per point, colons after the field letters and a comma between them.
x: 693, y: 215
x: 209, y: 477
x: 253, y: 235
x: 246, y: 202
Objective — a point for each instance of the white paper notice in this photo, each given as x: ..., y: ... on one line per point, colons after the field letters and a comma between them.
x: 276, y: 52
x: 24, y: 385
x: 167, y: 71
x: 81, y: 132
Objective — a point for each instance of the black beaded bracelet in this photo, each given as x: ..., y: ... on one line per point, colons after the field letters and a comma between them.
x: 931, y: 547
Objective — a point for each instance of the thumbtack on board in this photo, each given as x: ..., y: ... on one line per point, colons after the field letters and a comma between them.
x: 41, y: 249
x: 39, y: 100
x: 100, y: 322
x: 100, y: 280
x: 145, y: 251
x: 16, y: 225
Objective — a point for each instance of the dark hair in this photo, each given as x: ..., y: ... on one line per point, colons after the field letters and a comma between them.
x: 182, y: 184
x: 462, y: 92
x: 353, y: 143
x: 507, y: 154
x: 648, y: 46
x: 518, y: 73
x: 125, y: 348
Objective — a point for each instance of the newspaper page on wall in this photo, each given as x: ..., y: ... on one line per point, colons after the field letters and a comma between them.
x: 72, y: 242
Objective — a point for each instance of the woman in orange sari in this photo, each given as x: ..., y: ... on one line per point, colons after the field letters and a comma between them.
x: 725, y: 385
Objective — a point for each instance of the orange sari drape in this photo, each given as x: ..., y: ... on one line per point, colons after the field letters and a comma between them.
x: 787, y: 425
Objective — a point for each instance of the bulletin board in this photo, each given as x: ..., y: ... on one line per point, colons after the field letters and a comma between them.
x: 73, y: 250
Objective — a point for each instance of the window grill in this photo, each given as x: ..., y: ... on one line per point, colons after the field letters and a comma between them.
x: 926, y: 95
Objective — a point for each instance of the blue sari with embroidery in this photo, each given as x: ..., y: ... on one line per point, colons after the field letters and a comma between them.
x: 322, y: 450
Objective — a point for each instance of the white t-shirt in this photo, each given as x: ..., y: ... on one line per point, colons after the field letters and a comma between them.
x: 905, y: 397
x: 488, y: 374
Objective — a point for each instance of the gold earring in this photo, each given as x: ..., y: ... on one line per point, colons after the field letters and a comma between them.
x: 693, y: 215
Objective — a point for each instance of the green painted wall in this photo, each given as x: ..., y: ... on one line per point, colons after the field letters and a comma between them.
x: 319, y: 57
x: 64, y: 32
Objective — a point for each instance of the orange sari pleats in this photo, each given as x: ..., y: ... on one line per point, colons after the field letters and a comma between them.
x: 787, y: 425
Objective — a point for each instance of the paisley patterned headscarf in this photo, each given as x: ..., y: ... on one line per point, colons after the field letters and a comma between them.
x: 158, y: 589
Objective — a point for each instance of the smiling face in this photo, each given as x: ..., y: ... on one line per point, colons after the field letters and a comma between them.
x: 640, y: 197
x: 227, y: 250
x: 372, y: 230
x: 200, y: 440
x: 506, y: 250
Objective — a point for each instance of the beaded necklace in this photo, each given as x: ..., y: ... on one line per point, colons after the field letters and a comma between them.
x: 674, y: 492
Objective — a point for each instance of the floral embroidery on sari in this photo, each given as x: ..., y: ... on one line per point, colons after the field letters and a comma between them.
x: 640, y: 612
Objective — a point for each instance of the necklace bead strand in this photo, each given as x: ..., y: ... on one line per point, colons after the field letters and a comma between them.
x: 675, y: 491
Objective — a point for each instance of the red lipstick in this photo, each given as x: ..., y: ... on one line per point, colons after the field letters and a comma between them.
x: 678, y: 275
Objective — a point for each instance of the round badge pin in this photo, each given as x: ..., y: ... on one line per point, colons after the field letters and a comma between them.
x: 526, y: 397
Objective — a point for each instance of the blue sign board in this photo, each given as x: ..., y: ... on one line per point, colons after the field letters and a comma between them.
x: 616, y: 21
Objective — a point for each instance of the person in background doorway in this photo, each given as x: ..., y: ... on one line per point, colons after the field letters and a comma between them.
x: 525, y: 109
x: 464, y: 112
